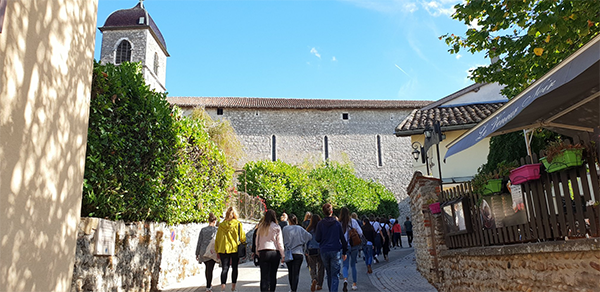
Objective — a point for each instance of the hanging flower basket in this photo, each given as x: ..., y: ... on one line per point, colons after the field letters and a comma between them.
x: 525, y: 173
x: 567, y: 158
x: 435, y: 208
x: 492, y: 186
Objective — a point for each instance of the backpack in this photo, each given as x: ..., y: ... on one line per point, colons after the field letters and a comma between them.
x: 353, y: 236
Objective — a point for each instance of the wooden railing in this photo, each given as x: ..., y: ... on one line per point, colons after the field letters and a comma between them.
x: 559, y: 206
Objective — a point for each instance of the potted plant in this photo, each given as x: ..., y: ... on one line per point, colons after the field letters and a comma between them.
x: 525, y: 173
x: 491, y: 183
x: 434, y: 206
x: 561, y: 155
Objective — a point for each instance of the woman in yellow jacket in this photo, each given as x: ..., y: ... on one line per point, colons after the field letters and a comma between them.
x: 229, y: 236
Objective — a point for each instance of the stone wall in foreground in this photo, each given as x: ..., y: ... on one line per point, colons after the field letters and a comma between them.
x: 147, y: 256
x: 571, y: 265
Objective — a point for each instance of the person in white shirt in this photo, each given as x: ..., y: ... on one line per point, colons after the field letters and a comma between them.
x: 349, y: 224
x: 377, y: 244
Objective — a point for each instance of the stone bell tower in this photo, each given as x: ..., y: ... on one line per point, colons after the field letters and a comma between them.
x: 130, y: 35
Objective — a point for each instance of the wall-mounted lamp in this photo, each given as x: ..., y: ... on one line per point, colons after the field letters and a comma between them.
x: 417, y: 148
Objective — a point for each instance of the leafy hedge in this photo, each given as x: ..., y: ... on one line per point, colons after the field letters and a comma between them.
x: 291, y: 189
x: 144, y: 161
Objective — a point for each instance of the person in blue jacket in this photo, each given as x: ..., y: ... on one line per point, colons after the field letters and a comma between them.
x: 331, y: 241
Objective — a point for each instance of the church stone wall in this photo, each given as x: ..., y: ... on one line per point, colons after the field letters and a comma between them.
x: 155, y: 80
x: 143, y: 48
x: 300, y: 133
x: 110, y: 38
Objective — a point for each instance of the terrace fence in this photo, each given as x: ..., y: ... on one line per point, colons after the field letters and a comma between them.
x: 560, y: 205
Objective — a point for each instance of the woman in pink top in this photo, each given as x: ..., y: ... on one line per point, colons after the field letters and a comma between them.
x: 269, y: 247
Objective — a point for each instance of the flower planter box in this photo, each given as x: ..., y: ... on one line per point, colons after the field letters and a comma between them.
x: 435, y: 208
x: 492, y: 186
x: 525, y: 173
x: 568, y: 158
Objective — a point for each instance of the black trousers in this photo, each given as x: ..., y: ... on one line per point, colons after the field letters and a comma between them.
x: 397, y: 239
x: 208, y: 273
x: 294, y: 267
x: 268, y: 261
x: 226, y: 260
x: 409, y: 236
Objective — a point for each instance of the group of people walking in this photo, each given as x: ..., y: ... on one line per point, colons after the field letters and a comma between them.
x: 331, y: 246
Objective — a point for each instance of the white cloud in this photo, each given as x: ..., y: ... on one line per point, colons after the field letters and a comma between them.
x: 386, y: 6
x: 438, y: 8
x: 410, y: 7
x: 458, y: 56
x: 475, y: 24
x: 315, y: 52
x: 333, y: 59
x: 468, y: 77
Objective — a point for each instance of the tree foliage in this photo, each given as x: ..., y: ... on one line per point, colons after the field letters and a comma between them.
x: 528, y: 37
x: 292, y: 189
x: 223, y: 134
x: 144, y: 161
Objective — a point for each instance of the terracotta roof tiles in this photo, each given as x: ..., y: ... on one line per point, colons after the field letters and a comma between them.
x: 455, y: 117
x: 292, y: 103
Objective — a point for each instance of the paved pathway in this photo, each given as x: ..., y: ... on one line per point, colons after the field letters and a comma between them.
x: 398, y: 274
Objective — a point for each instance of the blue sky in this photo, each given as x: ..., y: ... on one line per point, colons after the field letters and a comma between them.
x: 327, y: 49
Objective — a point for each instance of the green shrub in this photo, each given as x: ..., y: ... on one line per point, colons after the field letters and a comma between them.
x: 291, y: 189
x: 144, y: 161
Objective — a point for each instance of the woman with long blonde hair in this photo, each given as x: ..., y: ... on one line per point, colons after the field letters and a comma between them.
x: 229, y: 235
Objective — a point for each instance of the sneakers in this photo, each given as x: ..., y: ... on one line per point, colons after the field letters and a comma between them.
x: 354, y: 287
x: 313, y: 286
x: 345, y: 289
x: 376, y: 260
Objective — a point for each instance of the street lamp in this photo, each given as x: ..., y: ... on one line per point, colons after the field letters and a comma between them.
x: 433, y: 136
x: 419, y: 151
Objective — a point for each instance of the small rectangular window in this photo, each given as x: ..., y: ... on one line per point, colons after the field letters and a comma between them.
x: 326, y: 148
x: 273, y: 148
x: 379, y: 158
x: 219, y: 112
x: 344, y: 116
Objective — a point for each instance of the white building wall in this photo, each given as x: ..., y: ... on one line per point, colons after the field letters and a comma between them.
x: 462, y: 164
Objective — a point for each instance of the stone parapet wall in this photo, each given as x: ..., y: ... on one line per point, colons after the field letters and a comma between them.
x: 148, y: 256
x: 572, y: 265
x: 550, y: 266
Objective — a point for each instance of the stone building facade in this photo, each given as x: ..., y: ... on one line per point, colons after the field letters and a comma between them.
x: 144, y: 42
x: 297, y: 131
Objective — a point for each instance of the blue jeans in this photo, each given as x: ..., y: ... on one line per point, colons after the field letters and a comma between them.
x: 351, y: 261
x: 331, y: 262
x: 368, y: 250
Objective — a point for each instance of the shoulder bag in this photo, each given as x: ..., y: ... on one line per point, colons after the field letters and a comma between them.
x: 242, y: 246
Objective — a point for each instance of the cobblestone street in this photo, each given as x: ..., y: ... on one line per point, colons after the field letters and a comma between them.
x: 397, y: 274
